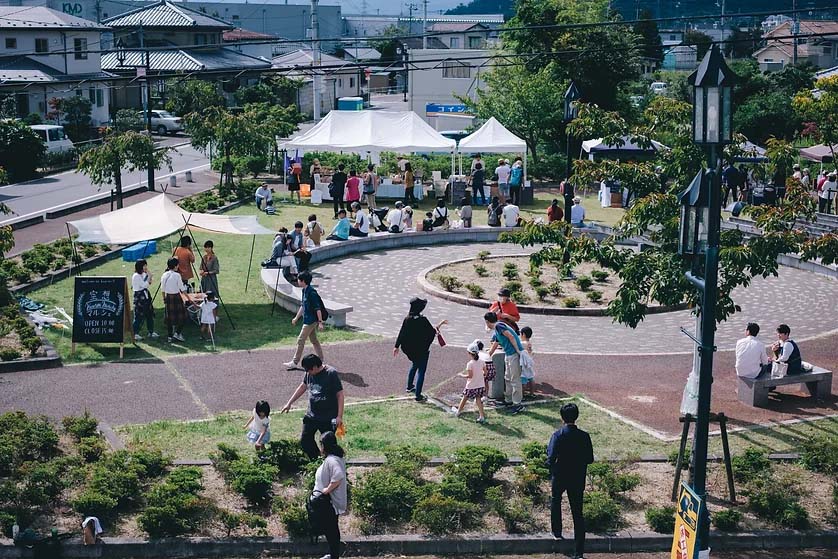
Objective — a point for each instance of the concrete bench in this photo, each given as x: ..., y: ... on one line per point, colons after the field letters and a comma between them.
x: 754, y: 392
x: 290, y: 297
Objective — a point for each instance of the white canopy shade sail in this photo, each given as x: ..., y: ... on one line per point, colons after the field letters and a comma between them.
x: 155, y: 218
x: 373, y: 131
x: 492, y: 137
x: 628, y: 149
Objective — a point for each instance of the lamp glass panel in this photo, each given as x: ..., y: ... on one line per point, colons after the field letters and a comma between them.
x: 690, y: 225
x: 702, y: 229
x: 713, y: 113
x: 698, y: 116
x: 726, y: 114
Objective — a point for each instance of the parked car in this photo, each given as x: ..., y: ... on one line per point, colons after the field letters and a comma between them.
x: 53, y: 137
x: 164, y: 122
x: 658, y: 88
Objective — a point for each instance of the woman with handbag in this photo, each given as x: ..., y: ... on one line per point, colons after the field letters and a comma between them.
x: 415, y: 338
x: 330, y: 492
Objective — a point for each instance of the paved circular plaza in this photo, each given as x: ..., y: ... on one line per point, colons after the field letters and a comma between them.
x: 378, y: 285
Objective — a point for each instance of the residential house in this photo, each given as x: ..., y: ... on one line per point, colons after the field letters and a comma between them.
x: 340, y: 78
x: 360, y: 53
x: 46, y: 54
x: 368, y: 25
x: 680, y: 57
x: 456, y: 35
x: 251, y: 43
x: 820, y: 48
x: 442, y: 76
x: 180, y: 41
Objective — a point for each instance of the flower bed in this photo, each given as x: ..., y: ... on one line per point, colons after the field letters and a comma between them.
x: 18, y: 338
x: 44, y: 258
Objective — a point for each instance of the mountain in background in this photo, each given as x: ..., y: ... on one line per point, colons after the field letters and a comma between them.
x: 505, y: 7
x: 674, y: 8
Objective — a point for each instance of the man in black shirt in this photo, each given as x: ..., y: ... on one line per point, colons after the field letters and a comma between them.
x: 568, y: 455
x: 337, y: 188
x: 325, y: 402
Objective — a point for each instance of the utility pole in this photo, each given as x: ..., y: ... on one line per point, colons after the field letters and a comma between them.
x: 315, y: 48
x: 425, y: 25
x: 410, y: 9
x: 147, y: 102
x: 796, y: 30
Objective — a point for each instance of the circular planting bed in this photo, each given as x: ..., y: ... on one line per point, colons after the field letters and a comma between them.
x: 476, y: 281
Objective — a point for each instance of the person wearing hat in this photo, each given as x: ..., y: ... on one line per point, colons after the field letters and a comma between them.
x: 415, y: 338
x: 507, y: 311
x: 396, y: 218
x: 475, y: 375
x: 577, y: 213
x: 827, y: 193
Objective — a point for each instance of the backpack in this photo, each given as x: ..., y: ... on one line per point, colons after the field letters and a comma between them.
x: 324, y: 314
x: 515, y: 176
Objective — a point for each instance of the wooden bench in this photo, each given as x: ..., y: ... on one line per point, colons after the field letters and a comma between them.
x: 754, y: 392
x: 290, y: 297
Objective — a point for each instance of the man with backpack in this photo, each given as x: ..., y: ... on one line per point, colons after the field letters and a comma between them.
x: 314, y: 315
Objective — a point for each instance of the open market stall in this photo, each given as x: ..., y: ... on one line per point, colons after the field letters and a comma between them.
x: 494, y: 137
x: 751, y: 153
x: 820, y: 153
x: 598, y: 149
x: 373, y: 132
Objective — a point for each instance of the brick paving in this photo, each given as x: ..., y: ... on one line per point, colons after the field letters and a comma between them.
x: 379, y: 286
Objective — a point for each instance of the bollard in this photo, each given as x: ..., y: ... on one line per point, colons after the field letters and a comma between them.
x: 172, y: 181
x: 189, y: 176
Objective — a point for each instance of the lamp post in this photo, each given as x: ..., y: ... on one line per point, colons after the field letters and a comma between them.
x: 142, y: 71
x: 712, y: 85
x: 571, y: 111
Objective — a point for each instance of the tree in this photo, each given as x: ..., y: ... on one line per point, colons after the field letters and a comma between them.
x: 128, y: 119
x: 126, y: 150
x: 8, y: 107
x: 278, y: 90
x: 532, y: 110
x: 742, y: 44
x: 386, y: 43
x: 233, y: 135
x: 7, y: 242
x: 820, y: 112
x: 700, y: 40
x: 21, y: 150
x: 74, y: 113
x: 767, y: 115
x: 192, y: 96
x: 273, y: 121
x: 650, y: 45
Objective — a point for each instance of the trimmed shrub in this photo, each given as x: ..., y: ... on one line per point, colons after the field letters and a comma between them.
x: 605, y: 478
x: 820, y: 454
x: 517, y: 517
x: 570, y: 302
x: 406, y: 460
x: 750, y: 465
x: 672, y: 458
x: 93, y: 503
x: 285, y: 454
x: 542, y: 292
x: 555, y: 289
x: 91, y: 449
x: 476, y: 466
x: 25, y: 438
x: 727, y: 520
x: 9, y: 354
x: 535, y: 282
x: 232, y: 521
x: 449, y: 283
x: 252, y: 480
x: 584, y: 283
x: 454, y: 487
x: 795, y: 517
x: 174, y: 507
x: 600, y: 511
x: 528, y: 482
x: 439, y: 514
x: 481, y: 270
x: 600, y: 275
x: 386, y: 497
x: 594, y: 296
x: 776, y: 501
x: 152, y: 460
x: 510, y: 271
x: 82, y: 426
x: 475, y: 290
x: 294, y: 517
x: 661, y: 519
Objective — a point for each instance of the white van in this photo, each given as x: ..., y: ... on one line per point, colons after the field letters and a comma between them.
x: 53, y: 137
x: 658, y: 88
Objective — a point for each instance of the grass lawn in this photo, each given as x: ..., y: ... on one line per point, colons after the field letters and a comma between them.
x: 372, y: 427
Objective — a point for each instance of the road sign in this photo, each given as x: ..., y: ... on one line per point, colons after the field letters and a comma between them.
x: 436, y: 109
x: 686, y: 524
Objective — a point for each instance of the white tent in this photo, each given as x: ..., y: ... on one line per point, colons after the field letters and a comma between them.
x: 493, y: 137
x: 155, y: 218
x: 372, y: 131
x: 628, y: 149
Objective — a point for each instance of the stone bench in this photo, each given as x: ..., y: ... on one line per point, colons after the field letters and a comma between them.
x: 754, y: 392
x: 290, y: 297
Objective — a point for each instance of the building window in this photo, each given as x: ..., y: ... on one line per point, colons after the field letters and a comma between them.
x: 91, y: 95
x: 455, y: 69
x: 235, y: 17
x: 100, y: 97
x: 475, y: 42
x: 11, y: 43
x: 340, y: 82
x: 454, y: 42
x: 673, y: 37
x: 768, y: 60
x: 351, y: 82
x: 41, y: 45
x: 80, y: 49
x: 827, y: 50
x: 200, y: 39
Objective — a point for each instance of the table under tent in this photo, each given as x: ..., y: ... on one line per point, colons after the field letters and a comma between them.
x: 494, y: 137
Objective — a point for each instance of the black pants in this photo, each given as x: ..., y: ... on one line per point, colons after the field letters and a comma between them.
x: 479, y: 190
x: 303, y: 257
x: 337, y: 201
x: 310, y: 427
x: 409, y: 198
x: 515, y: 195
x: 574, y: 496
x: 331, y: 530
x: 824, y: 205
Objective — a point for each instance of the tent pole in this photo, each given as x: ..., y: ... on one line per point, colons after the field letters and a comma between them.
x: 451, y: 178
x: 156, y: 291
x: 75, y: 254
x: 250, y: 263
x: 524, y: 180
x: 220, y: 300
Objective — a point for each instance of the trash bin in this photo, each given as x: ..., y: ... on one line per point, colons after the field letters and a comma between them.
x: 316, y: 197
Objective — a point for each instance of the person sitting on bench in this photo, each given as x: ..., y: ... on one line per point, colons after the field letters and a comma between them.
x: 751, y: 356
x: 787, y: 351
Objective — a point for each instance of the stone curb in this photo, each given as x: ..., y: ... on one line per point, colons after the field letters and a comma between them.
x: 409, y: 544
x: 431, y: 289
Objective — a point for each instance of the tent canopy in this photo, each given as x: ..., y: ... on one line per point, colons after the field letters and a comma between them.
x: 820, y: 153
x: 492, y: 137
x: 374, y: 131
x: 752, y: 153
x: 628, y: 149
x: 155, y: 218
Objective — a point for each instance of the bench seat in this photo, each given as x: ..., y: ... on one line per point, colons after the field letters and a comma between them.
x: 290, y: 297
x: 754, y: 392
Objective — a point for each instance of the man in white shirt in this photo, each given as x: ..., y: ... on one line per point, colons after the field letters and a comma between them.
x: 577, y: 213
x: 751, y: 355
x: 510, y: 215
x: 171, y: 285
x: 396, y: 218
x: 263, y: 195
x: 502, y: 171
x: 362, y: 222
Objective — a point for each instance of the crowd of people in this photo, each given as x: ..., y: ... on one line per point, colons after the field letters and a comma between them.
x: 749, y: 184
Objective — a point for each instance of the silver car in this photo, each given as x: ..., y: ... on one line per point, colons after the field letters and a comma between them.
x: 164, y: 122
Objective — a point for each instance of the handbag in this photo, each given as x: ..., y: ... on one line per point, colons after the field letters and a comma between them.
x: 316, y: 507
x: 779, y: 369
x: 440, y: 339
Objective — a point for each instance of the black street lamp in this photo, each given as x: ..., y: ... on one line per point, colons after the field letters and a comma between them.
x: 571, y: 111
x: 712, y: 85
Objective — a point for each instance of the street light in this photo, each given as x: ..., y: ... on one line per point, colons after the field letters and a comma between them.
x: 712, y: 85
x: 143, y: 71
x: 571, y: 111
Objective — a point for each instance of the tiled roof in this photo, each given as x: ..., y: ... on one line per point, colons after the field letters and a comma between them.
x: 38, y: 17
x: 239, y: 34
x: 416, y: 43
x: 828, y: 73
x: 807, y: 27
x: 304, y: 57
x: 177, y: 60
x: 167, y: 14
x: 361, y: 53
x: 455, y: 27
x: 25, y: 70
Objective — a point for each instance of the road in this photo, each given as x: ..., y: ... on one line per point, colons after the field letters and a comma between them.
x: 64, y: 188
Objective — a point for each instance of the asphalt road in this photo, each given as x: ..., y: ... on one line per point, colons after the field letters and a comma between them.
x: 48, y: 192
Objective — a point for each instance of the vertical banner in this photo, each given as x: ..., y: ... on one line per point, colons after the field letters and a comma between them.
x: 686, y: 524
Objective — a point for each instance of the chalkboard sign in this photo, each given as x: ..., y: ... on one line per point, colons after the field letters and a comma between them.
x: 100, y: 309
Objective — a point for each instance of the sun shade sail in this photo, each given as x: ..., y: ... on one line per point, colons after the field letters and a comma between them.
x: 155, y: 218
x: 492, y: 137
x: 820, y: 153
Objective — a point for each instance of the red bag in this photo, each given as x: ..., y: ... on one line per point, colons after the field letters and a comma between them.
x: 439, y: 338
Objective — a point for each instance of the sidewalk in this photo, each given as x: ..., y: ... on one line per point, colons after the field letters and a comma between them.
x: 53, y: 229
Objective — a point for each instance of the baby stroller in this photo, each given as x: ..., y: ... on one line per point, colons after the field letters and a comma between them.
x: 377, y: 219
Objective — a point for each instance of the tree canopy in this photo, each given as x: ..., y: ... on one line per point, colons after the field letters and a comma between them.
x: 820, y: 112
x: 192, y: 96
x: 650, y: 40
x: 21, y: 150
